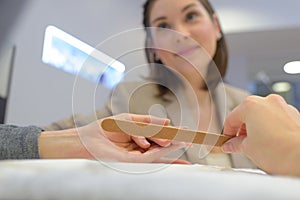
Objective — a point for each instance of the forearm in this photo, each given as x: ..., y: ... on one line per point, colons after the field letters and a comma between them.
x: 19, y: 142
x: 295, y: 166
x: 61, y: 144
x: 279, y: 154
x: 292, y: 164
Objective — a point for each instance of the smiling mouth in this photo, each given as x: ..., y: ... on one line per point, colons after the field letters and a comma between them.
x: 187, y: 51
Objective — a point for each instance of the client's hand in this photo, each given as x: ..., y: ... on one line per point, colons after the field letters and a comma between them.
x: 93, y: 142
x: 140, y: 143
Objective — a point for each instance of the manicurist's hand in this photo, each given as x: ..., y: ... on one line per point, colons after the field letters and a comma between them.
x: 267, y: 130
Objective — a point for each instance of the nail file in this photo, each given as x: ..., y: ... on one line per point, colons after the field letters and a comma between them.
x: 150, y: 130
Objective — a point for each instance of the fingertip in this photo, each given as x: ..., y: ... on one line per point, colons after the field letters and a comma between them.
x: 165, y: 143
x: 146, y: 144
x: 167, y: 122
x: 181, y: 162
x: 142, y: 142
x: 227, y: 147
x: 182, y: 144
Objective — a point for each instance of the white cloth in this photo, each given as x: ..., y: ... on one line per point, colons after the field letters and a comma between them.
x: 85, y: 179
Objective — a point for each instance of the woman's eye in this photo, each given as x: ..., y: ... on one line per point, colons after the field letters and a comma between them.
x: 191, y: 16
x: 163, y: 25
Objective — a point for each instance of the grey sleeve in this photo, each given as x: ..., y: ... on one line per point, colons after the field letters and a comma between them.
x: 19, y: 142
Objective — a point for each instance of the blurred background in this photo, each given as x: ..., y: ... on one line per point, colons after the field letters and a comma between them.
x: 262, y: 36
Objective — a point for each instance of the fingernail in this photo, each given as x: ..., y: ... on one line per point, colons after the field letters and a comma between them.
x: 145, y: 142
x: 227, y: 147
x: 167, y: 145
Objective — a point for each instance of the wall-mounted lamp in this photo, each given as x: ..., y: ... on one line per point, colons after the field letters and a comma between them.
x: 70, y: 54
x: 280, y: 87
x: 292, y: 67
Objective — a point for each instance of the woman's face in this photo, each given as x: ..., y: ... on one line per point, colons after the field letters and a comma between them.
x: 184, y: 35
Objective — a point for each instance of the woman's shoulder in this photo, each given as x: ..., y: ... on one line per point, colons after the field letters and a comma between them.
x: 138, y: 89
x: 135, y: 97
x: 234, y: 95
x: 232, y: 90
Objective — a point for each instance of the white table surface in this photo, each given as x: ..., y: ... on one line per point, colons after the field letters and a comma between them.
x: 86, y: 179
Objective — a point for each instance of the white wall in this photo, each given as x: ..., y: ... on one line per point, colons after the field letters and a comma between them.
x: 257, y: 15
x: 41, y: 94
x: 262, y: 51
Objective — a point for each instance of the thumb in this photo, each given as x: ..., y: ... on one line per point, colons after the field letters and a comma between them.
x: 234, y: 145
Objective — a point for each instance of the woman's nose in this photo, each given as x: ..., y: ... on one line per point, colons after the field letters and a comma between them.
x: 182, y: 33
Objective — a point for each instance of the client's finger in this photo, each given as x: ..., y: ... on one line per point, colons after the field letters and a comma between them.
x: 159, y: 152
x: 141, y: 141
x: 161, y: 142
x: 234, y: 145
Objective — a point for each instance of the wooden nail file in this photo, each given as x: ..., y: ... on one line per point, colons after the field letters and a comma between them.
x: 150, y: 130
